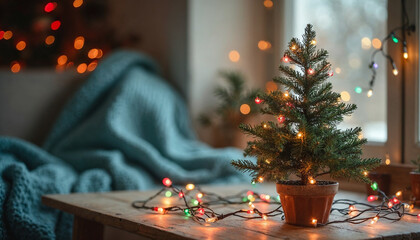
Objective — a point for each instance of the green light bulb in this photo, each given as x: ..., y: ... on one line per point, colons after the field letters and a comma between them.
x: 187, y: 212
x: 358, y: 89
x: 394, y: 38
x: 168, y: 194
x: 374, y: 186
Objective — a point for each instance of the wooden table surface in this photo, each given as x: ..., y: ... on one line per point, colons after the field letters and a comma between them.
x: 114, y: 209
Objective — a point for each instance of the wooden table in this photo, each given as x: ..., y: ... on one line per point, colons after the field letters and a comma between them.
x: 93, y: 211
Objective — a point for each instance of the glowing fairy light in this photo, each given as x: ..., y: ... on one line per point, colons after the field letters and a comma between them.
x: 234, y: 56
x: 167, y: 182
x: 190, y: 186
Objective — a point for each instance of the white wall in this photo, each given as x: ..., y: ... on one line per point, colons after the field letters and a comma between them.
x: 215, y: 28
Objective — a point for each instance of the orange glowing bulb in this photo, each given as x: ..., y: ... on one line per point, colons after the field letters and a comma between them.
x: 61, y: 60
x: 49, y: 40
x: 79, y: 42
x: 81, y: 68
x: 190, y: 186
x: 15, y: 67
x: 21, y: 45
x: 77, y: 3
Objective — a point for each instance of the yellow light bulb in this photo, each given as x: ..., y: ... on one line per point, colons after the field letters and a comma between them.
x: 190, y: 186
x: 313, y: 42
x: 299, y: 135
x: 264, y: 217
x: 312, y: 180
x: 314, y: 221
x: 286, y: 94
x: 210, y: 220
x: 398, y: 194
x: 395, y: 71
x: 260, y: 179
x: 365, y: 173
x: 370, y: 93
x: 405, y: 55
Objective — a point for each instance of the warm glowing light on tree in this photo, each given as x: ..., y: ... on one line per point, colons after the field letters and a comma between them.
x: 190, y: 186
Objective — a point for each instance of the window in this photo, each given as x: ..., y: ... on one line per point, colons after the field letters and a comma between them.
x: 390, y: 118
x: 351, y: 31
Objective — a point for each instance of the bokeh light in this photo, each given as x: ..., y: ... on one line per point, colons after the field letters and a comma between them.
x: 264, y: 45
x: 55, y: 25
x: 376, y: 43
x: 61, y: 60
x: 49, y: 7
x: 49, y: 40
x: 270, y: 86
x: 77, y: 3
x: 79, y: 42
x: 234, y: 56
x: 7, y: 35
x: 81, y: 68
x: 93, y: 53
x: 345, y: 96
x: 366, y: 43
x: 15, y: 67
x: 245, y: 109
x: 21, y: 45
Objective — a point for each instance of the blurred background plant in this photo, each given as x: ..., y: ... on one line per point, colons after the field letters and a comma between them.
x: 236, y: 105
x: 416, y: 163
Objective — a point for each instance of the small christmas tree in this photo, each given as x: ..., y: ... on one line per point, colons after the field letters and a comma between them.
x: 305, y: 140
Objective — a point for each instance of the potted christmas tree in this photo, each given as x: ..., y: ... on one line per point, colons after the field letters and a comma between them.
x: 304, y: 140
x: 415, y: 181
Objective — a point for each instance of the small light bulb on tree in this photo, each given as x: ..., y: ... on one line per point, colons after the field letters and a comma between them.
x: 258, y: 100
x: 311, y: 71
x: 370, y: 93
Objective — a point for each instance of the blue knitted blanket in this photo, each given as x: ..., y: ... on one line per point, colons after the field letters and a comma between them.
x: 124, y: 129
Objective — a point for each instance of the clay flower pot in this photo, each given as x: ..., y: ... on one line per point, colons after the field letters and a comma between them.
x: 415, y: 186
x: 307, y: 205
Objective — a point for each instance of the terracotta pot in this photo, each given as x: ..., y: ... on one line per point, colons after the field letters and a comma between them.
x: 304, y: 203
x: 415, y: 186
x: 383, y: 180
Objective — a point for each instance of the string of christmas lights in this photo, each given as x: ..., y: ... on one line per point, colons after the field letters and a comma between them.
x: 197, y: 205
x: 405, y: 28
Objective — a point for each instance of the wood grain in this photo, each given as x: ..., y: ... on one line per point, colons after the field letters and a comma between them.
x: 114, y: 209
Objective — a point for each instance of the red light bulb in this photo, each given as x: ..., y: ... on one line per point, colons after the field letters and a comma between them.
x: 167, y: 182
x: 55, y: 25
x: 281, y: 119
x: 286, y: 59
x: 395, y: 200
x: 201, y: 211
x: 49, y: 7
x: 311, y: 71
x: 250, y: 193
x: 181, y: 194
x: 331, y: 74
x: 372, y: 198
x: 258, y: 100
